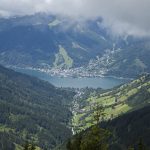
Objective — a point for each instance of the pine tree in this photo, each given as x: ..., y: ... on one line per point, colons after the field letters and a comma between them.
x: 141, y: 145
x: 32, y: 147
x: 26, y: 146
x: 98, y: 113
x: 95, y: 139
x: 130, y: 148
x: 68, y: 146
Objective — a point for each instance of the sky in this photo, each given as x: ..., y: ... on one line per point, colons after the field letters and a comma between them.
x: 130, y: 17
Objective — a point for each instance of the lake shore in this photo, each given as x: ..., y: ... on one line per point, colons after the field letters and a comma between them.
x: 105, y: 82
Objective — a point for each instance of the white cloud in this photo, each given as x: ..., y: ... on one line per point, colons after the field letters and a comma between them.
x: 122, y: 16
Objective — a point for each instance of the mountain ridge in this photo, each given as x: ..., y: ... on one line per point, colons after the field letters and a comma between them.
x: 89, y: 45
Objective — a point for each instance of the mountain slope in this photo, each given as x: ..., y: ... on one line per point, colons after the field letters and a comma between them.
x: 130, y: 128
x: 43, y: 41
x: 33, y: 110
x: 117, y: 101
x: 132, y: 59
x: 129, y: 131
x: 34, y: 41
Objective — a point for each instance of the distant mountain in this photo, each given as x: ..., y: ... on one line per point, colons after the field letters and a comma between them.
x: 43, y: 41
x: 32, y: 110
x: 132, y: 58
x: 129, y: 57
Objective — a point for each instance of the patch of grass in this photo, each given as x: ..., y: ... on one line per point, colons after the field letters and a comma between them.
x: 18, y: 147
x: 4, y: 128
x: 140, y: 64
x: 54, y: 23
x: 62, y: 59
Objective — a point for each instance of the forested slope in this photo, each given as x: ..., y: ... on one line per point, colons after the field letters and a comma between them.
x: 33, y: 110
x: 129, y: 129
x: 127, y: 132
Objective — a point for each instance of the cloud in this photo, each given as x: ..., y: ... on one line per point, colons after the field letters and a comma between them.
x: 121, y: 16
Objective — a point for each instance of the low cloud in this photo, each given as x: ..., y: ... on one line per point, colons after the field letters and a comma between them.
x: 121, y: 16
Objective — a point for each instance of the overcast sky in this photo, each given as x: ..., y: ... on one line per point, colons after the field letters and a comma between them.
x: 122, y: 16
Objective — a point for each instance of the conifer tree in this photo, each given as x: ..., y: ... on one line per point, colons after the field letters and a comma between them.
x: 32, y: 147
x: 130, y: 148
x: 141, y: 145
x: 26, y: 146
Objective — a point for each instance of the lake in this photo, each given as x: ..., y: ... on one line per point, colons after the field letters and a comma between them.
x: 94, y: 82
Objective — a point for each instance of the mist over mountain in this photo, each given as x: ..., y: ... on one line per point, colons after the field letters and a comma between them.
x: 48, y: 41
x: 37, y: 40
x: 128, y: 17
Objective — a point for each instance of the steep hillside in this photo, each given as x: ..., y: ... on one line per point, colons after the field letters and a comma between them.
x: 115, y: 102
x: 132, y: 59
x: 129, y: 131
x: 129, y: 57
x: 33, y: 110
